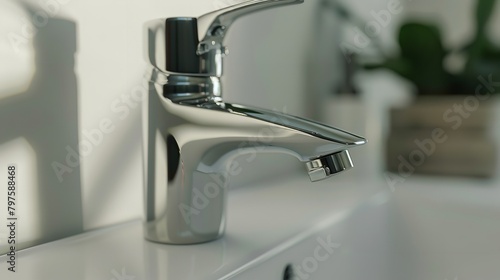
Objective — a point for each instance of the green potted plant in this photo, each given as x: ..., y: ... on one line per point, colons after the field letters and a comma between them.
x: 454, y: 104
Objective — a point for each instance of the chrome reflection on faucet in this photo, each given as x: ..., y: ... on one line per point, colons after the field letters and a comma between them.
x: 191, y: 136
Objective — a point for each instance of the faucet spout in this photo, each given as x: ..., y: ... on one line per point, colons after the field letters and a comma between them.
x: 190, y: 147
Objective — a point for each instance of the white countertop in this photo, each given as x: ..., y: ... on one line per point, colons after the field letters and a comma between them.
x: 262, y: 222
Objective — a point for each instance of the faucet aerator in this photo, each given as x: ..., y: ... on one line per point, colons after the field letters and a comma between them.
x: 327, y: 166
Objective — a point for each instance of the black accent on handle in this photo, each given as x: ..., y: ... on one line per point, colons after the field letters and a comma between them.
x: 182, y: 43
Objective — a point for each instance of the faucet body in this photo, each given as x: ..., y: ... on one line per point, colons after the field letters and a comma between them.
x: 192, y: 137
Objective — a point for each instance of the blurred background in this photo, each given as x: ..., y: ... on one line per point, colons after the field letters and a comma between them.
x: 418, y: 79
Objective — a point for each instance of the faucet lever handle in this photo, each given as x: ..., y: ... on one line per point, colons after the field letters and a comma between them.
x: 212, y: 27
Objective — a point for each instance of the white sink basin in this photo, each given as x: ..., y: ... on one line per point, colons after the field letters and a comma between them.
x: 337, y: 229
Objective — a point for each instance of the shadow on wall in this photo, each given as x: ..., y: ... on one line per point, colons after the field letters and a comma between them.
x: 46, y: 115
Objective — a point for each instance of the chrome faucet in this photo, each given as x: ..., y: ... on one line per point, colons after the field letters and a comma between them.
x: 191, y: 136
